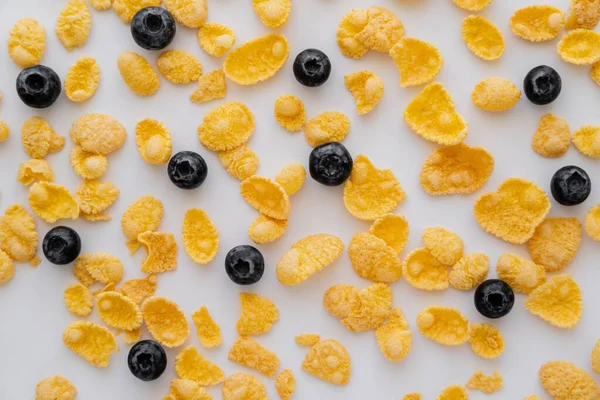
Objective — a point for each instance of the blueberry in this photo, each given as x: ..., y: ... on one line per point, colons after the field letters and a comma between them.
x: 61, y: 245
x: 570, y: 186
x: 312, y: 67
x: 147, y: 360
x: 542, y: 85
x: 245, y: 265
x: 153, y: 28
x: 187, y: 170
x: 494, y: 298
x: 38, y: 86
x: 330, y: 164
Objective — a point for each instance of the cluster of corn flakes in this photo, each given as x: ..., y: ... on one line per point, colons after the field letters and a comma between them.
x: 522, y: 275
x: 374, y: 258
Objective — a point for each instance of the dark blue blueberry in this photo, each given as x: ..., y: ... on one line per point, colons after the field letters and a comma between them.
x: 542, y: 85
x: 245, y: 265
x: 570, y: 186
x: 147, y: 360
x: 187, y: 170
x: 312, y: 67
x: 38, y: 86
x: 153, y: 28
x: 494, y: 298
x: 330, y: 164
x: 61, y: 245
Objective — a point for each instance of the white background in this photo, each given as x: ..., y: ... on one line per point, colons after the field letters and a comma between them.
x: 32, y: 313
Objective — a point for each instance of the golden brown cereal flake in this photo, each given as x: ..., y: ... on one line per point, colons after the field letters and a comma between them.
x: 307, y: 257
x: 496, y: 94
x: 257, y: 60
x: 92, y: 342
x: 565, y: 381
x: 521, y: 274
x: 200, y: 236
x: 4, y: 131
x: 161, y: 252
x: 138, y: 289
x: 423, y: 271
x: 138, y: 74
x: 469, y: 271
x: 285, y: 384
x: 102, y: 267
x: 592, y: 223
x: 373, y: 259
x: 211, y: 86
x: 487, y: 384
x: 143, y: 215
x: 226, y: 127
x: 52, y: 202
x: 153, y: 140
x: 445, y: 246
x: 580, y: 47
x: 369, y: 308
x: 190, y: 13
x: 412, y: 396
x: 131, y: 337
x: 558, y: 302
x: 101, y: 5
x: 55, y: 388
x: 289, y: 112
x: 78, y: 300
x: 241, y: 162
x: 35, y: 170
x: 347, y: 33
x: 583, y: 14
x: 7, y: 268
x: 393, y: 337
x: 443, y: 325
x: 338, y: 300
x: 266, y: 196
x: 486, y: 341
x: 307, y: 339
x: 330, y: 361
x: 393, y: 230
x: 26, y: 42
x: 165, y: 321
x: 265, y: 229
x: 514, y: 211
x: 94, y: 196
x: 366, y: 88
x: 119, y: 311
x: 587, y: 140
x: 418, y: 61
x: 257, y: 315
x: 382, y: 30
x: 190, y: 365
x: 82, y: 79
x: 18, y: 238
x: 216, y: 39
x: 38, y: 138
x: 538, y: 23
x: 273, y: 13
x: 482, y: 37
x: 98, y: 133
x: 242, y: 386
x: 207, y: 329
x: 329, y: 126
x: 184, y: 389
x: 532, y: 397
x: 179, y: 66
x: 291, y: 177
x: 80, y: 272
x: 74, y: 24
x: 595, y: 357
x: 453, y: 392
x: 555, y: 243
x: 432, y: 116
x: 473, y: 5
x: 126, y: 9
x: 552, y: 137
x: 251, y: 354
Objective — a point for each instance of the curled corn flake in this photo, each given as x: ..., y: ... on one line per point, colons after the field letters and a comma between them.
x: 393, y: 337
x: 161, y: 252
x: 82, y: 79
x: 242, y: 386
x: 257, y: 60
x: 179, y: 66
x: 266, y: 196
x: 521, y: 274
x: 423, y: 271
x: 78, y: 300
x: 366, y: 88
x: 552, y: 137
x: 496, y: 94
x: 190, y: 365
x: 291, y: 177
x: 393, y: 230
x: 580, y: 47
x: 347, y: 33
x: 555, y: 243
x: 487, y: 384
x: 207, y: 329
x: 7, y: 268
x: 102, y: 267
x: 486, y: 341
x: 369, y: 308
x: 373, y: 259
x: 338, y: 300
x: 211, y: 86
x: 131, y: 337
x: 370, y: 193
x: 595, y: 357
x: 74, y: 24
x: 98, y: 133
x: 330, y: 361
x: 469, y: 271
x: 257, y: 315
x: 165, y: 321
x: 226, y: 127
x: 514, y: 211
x: 18, y: 238
x: 563, y: 381
x: 251, y: 354
x: 184, y: 389
x: 472, y: 5
x: 241, y: 162
x: 92, y: 342
x: 273, y: 13
x: 143, y: 215
x: 216, y: 39
x: 265, y: 229
x: 138, y: 289
x: 432, y: 116
x: 94, y: 196
x: 52, y: 202
x: 412, y: 396
x: 55, y: 388
x: 307, y: 339
x: 289, y: 112
x: 190, y: 13
x: 119, y: 311
x: 307, y: 257
x: 38, y: 138
x: 153, y: 140
x: 443, y: 325
x: 558, y: 302
x: 418, y: 61
x: 126, y: 9
x: 382, y: 30
x: 583, y: 14
x: 329, y: 126
x: 445, y: 246
x: 592, y: 223
x: 285, y: 384
x: 200, y: 236
x: 101, y: 5
x: 587, y: 140
x: 453, y: 392
x: 538, y: 23
x: 138, y: 74
x: 482, y: 37
x: 4, y: 131
x: 35, y: 170
x: 26, y: 42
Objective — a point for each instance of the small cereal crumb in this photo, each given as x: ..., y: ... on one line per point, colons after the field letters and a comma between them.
x: 257, y: 315
x: 35, y: 170
x: 216, y: 39
x: 366, y: 88
x: 179, y: 66
x: 521, y: 274
x: 419, y: 62
x: 558, y: 302
x: 329, y: 126
x: 190, y: 365
x: 486, y: 340
x: 165, y: 321
x: 564, y: 381
x: 7, y: 268
x: 330, y: 361
x: 189, y: 13
x: 74, y: 24
x: 423, y: 271
x: 285, y: 384
x: 82, y: 79
x: 138, y: 74
x: 347, y: 33
x: 289, y: 112
x: 226, y: 127
x: 26, y: 42
x: 55, y: 388
x: 469, y: 271
x: 38, y: 138
x: 153, y: 140
x: 445, y: 245
x: 473, y: 5
x: 580, y: 47
x: 538, y: 23
x: 78, y: 300
x: 251, y: 354
x: 240, y: 162
x: 487, y: 384
x: 118, y: 311
x: 382, y: 30
x: 211, y: 86
x: 555, y: 243
x: 444, y: 325
x: 482, y: 37
x: 592, y: 223
x: 250, y: 385
x: 143, y: 215
x: 273, y: 13
x: 496, y: 94
x: 373, y: 259
x: 207, y: 329
x: 587, y: 140
x: 52, y: 202
x: 552, y: 137
x: 393, y: 337
x: 453, y: 392
x: 266, y: 196
x: 91, y: 341
x: 307, y: 339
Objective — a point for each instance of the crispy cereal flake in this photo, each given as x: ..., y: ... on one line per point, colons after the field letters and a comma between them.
x: 347, y: 33
x: 165, y: 321
x: 119, y: 311
x: 583, y: 14
x: 473, y: 5
x: 216, y: 39
x: 307, y: 339
x: 369, y: 308
x: 211, y: 86
x: 595, y: 357
x: 102, y: 267
x: 38, y: 138
x: 90, y: 341
x: 179, y: 66
x: 555, y: 243
x: 74, y: 24
x: 18, y: 238
x: 190, y: 365
x: 35, y: 170
x: 538, y: 23
x: 265, y: 229
x: 226, y: 127
x: 184, y: 389
x: 241, y: 162
x: 78, y: 300
x: 469, y: 271
x: 126, y: 9
x: 153, y: 140
x: 552, y: 137
x: 273, y: 13
x: 482, y: 37
x: 26, y: 42
x: 138, y: 74
x: 330, y: 361
x: 443, y: 325
x: 592, y: 223
x: 419, y: 62
x: 190, y: 13
x: 200, y: 236
x: 587, y: 140
x: 161, y: 252
x: 251, y: 354
x: 558, y: 302
x: 521, y: 274
x: 52, y: 202
x: 496, y: 94
x: 101, y: 5
x: 445, y: 246
x: 423, y: 271
x: 412, y: 396
x: 393, y: 230
x: 132, y: 337
x: 382, y: 30
x: 98, y: 133
x: 291, y: 177
x: 80, y: 272
x: 486, y: 341
x: 329, y: 126
x: 7, y: 268
x: 94, y: 196
x: 487, y: 384
x: 143, y: 215
x: 393, y: 337
x: 289, y: 112
x: 207, y: 329
x: 4, y: 132
x: 241, y: 386
x: 580, y: 47
x: 338, y: 300
x: 138, y: 289
x: 453, y: 392
x: 532, y: 397
x: 565, y: 381
x: 266, y: 196
x: 373, y: 259
x: 82, y: 79
x: 285, y: 384
x: 366, y: 88
x: 257, y: 315
x: 55, y: 388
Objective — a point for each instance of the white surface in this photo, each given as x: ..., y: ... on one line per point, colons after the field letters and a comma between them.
x: 32, y: 313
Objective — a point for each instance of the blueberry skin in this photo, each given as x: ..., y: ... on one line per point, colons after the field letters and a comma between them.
x: 38, y: 86
x: 570, y: 186
x: 542, y: 85
x: 330, y: 164
x: 244, y: 265
x: 312, y: 68
x: 494, y: 298
x: 61, y: 245
x: 147, y: 360
x: 153, y: 28
x: 187, y: 170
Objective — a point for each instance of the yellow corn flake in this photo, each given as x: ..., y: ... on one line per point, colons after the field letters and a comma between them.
x: 81, y: 273
x: 307, y: 257
x: 423, y: 271
x: 552, y: 137
x: 289, y: 112
x: 18, y: 238
x: 558, y: 302
x: 78, y: 300
x: 347, y: 33
x: 595, y: 357
x: 94, y: 196
x: 473, y: 5
x: 580, y: 47
x: 35, y: 170
x: 366, y: 88
x: 432, y: 116
x: 207, y: 329
x: 4, y: 131
x: 393, y: 230
x: 330, y: 361
x: 55, y: 388
x: 393, y: 337
x: 486, y: 341
x: 555, y: 243
x: 143, y: 215
x: 126, y: 9
x: 226, y: 127
x: 98, y: 133
x: 179, y: 66
x: 184, y: 389
x: 453, y: 392
x: 564, y: 381
x: 291, y: 177
x: 412, y: 396
x: 307, y: 339
x: 92, y: 342
x: 74, y: 24
x: 153, y: 140
x: 7, y: 268
x: 190, y: 365
x: 329, y: 126
x: 583, y: 14
x: 487, y: 384
x: 587, y: 140
x: 273, y: 13
x: 138, y: 74
x: 521, y: 274
x: 265, y: 229
x: 338, y: 300
x: 482, y: 37
x: 82, y: 79
x: 190, y: 13
x: 418, y: 61
x: 241, y: 162
x: 119, y: 311
x: 371, y: 193
x: 26, y: 42
x: 443, y: 325
x: 514, y: 211
x: 285, y: 384
x: 102, y: 267
x: 382, y: 30
x: 592, y: 223
x: 131, y: 337
x: 101, y: 5
x: 469, y: 271
x: 216, y: 39
x: 257, y: 60
x: 200, y: 236
x: 242, y: 386
x: 538, y: 23
x: 165, y: 321
x: 373, y: 259
x: 38, y: 138
x: 445, y: 246
x: 369, y: 308
x: 52, y: 202
x: 161, y: 252
x: 211, y: 86
x: 266, y: 196
x: 532, y: 397
x: 496, y: 94
x: 257, y: 315
x: 138, y: 289
x: 251, y: 354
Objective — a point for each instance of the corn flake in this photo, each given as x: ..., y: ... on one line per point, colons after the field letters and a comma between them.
x: 443, y: 325
x: 126, y: 9
x: 80, y: 272
x: 393, y: 337
x: 266, y: 196
x: 94, y: 196
x: 587, y: 140
x: 285, y: 384
x: 190, y: 365
x: 184, y: 389
x: 92, y: 342
x: 330, y: 361
x: 532, y: 397
x: 78, y: 300
x: 251, y: 354
x: 74, y: 24
x: 291, y: 177
x: 486, y: 341
x: 592, y: 223
x: 98, y: 133
x: 265, y: 229
x: 373, y: 259
x: 445, y: 246
x: 521, y: 274
x: 487, y: 384
x: 242, y: 386
x: 558, y: 302
x: 418, y: 61
x: 382, y: 30
x: 52, y: 202
x: 82, y: 79
x: 241, y: 162
x: 131, y: 337
x: 161, y: 252
x: 273, y: 13
x: 190, y: 13
x: 7, y: 268
x: 580, y: 47
x: 412, y: 396
x: 138, y: 74
x: 473, y: 5
x: 35, y: 170
x: 393, y: 230
x: 226, y: 127
x: 423, y: 271
x: 4, y: 131
x: 18, y: 238
x: 102, y: 267
x: 211, y: 86
x: 338, y: 300
x: 55, y: 388
x: 564, y: 381
x: 347, y: 33
x: 555, y: 243
x: 257, y: 315
x: 369, y: 308
x: 26, y: 42
x: 207, y: 329
x: 307, y: 339
x: 469, y: 271
x: 216, y: 39
x: 453, y: 392
x: 119, y: 311
x: 138, y: 289
x: 165, y: 321
x: 583, y: 14
x: 552, y: 137
x: 595, y: 357
x: 289, y: 112
x: 39, y: 139
x: 482, y: 37
x: 538, y: 23
x: 496, y: 94
x: 143, y: 215
x: 200, y: 236
x: 179, y: 66
x: 366, y: 88
x: 329, y: 126
x: 101, y: 5
x: 153, y: 140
